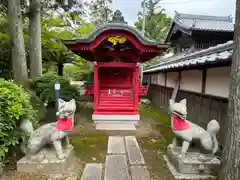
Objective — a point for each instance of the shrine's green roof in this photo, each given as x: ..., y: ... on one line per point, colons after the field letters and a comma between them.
x: 116, y: 26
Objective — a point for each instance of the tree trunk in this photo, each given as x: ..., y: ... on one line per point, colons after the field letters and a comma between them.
x: 230, y: 169
x: 18, y: 54
x: 35, y: 47
x: 60, y: 69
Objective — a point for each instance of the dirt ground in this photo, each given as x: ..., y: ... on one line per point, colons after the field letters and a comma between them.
x: 153, y: 135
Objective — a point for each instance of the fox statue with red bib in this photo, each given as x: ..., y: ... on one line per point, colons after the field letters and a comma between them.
x: 188, y: 131
x: 51, y: 133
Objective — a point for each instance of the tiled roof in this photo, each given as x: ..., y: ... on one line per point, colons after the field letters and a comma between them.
x: 203, y: 22
x: 217, y: 53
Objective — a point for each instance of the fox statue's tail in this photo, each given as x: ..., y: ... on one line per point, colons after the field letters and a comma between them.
x: 26, y: 126
x: 213, y: 128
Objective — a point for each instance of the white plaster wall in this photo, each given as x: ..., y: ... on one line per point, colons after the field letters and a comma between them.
x: 191, y: 81
x: 155, y: 78
x: 152, y: 78
x: 217, y: 81
x: 171, y: 79
x: 161, y: 79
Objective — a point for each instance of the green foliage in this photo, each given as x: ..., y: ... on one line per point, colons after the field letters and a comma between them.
x: 15, y: 105
x: 156, y: 24
x: 100, y: 11
x: 44, y: 88
x: 75, y: 73
x: 56, y: 29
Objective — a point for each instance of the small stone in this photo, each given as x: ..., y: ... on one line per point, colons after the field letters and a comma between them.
x: 145, y: 101
x: 40, y: 167
x: 45, y: 161
x: 94, y: 159
x: 153, y: 140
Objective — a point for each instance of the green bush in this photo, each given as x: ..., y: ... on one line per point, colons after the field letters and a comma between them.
x: 75, y: 73
x: 15, y: 105
x: 44, y: 88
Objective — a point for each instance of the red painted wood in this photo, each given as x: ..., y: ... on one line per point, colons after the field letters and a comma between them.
x: 115, y: 108
x: 136, y: 95
x: 115, y: 113
x: 95, y: 86
x: 117, y: 64
x: 88, y: 49
x: 132, y: 55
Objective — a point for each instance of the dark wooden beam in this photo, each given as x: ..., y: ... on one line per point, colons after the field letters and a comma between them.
x: 204, y: 76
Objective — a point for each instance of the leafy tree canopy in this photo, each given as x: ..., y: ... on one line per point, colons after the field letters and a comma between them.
x: 156, y: 23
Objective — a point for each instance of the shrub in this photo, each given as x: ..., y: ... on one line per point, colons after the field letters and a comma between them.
x: 44, y: 88
x: 15, y: 105
x: 75, y: 73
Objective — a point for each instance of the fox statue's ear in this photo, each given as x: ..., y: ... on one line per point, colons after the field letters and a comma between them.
x: 60, y: 101
x: 184, y: 101
x: 171, y: 101
x: 72, y: 101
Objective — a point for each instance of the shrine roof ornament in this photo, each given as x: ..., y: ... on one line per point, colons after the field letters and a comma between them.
x: 117, y: 23
x: 118, y: 18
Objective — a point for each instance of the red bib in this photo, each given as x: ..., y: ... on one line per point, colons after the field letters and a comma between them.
x: 179, y: 124
x: 64, y: 124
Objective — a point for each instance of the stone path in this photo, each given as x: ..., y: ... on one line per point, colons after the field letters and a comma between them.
x: 124, y: 161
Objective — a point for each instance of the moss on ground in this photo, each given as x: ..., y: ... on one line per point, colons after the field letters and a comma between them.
x: 158, y: 119
x: 90, y: 147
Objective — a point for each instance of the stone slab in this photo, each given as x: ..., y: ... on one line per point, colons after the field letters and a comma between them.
x: 116, y: 145
x: 194, y: 163
x: 50, y: 164
x: 116, y: 168
x: 115, y: 126
x: 180, y: 176
x: 139, y: 172
x: 133, y: 151
x: 92, y: 172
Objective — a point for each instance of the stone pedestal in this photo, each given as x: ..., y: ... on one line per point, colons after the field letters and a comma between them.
x: 194, y: 166
x: 50, y: 163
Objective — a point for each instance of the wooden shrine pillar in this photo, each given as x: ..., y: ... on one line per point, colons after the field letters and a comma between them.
x: 136, y: 93
x: 96, y: 86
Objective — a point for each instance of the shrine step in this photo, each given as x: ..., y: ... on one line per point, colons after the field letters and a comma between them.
x: 121, y: 126
x: 111, y: 117
x: 115, y: 101
x: 105, y: 112
x: 114, y: 108
x: 123, y: 104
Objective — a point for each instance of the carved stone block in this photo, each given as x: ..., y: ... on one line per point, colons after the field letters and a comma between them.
x: 193, y: 167
x: 50, y: 163
x: 194, y: 162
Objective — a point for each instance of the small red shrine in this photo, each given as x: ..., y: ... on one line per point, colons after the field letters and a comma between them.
x: 116, y: 50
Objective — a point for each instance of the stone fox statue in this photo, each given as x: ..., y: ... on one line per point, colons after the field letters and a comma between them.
x: 51, y: 133
x: 188, y: 131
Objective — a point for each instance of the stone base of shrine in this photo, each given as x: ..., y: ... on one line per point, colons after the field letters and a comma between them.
x: 194, y: 166
x: 103, y: 117
x: 46, y: 162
